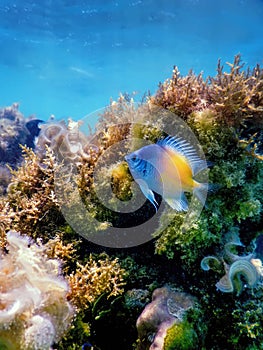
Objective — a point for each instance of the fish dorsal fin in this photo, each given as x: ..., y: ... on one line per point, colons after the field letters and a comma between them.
x: 179, y: 145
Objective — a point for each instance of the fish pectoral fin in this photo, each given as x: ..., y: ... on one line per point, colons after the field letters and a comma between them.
x: 179, y: 204
x: 148, y: 193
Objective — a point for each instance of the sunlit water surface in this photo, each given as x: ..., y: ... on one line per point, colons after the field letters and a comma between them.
x: 69, y: 58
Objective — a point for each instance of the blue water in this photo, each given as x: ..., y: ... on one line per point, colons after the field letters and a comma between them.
x: 68, y: 58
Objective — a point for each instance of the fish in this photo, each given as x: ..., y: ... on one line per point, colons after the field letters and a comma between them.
x: 87, y: 346
x: 167, y: 168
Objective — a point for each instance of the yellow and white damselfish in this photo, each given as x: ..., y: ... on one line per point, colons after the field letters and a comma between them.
x: 168, y: 168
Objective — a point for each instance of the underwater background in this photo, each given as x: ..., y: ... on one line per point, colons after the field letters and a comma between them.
x: 68, y: 58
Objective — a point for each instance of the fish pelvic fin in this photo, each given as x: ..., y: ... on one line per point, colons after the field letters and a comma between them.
x: 148, y: 193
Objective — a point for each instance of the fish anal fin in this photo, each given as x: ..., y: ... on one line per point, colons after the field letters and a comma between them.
x: 178, y: 204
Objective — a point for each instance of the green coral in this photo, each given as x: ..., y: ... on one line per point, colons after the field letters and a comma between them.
x: 80, y: 330
x: 175, y: 239
x: 249, y: 321
x: 181, y: 336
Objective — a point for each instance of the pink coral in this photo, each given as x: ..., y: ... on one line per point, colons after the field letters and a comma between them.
x: 64, y: 139
x: 34, y: 311
x: 166, y: 309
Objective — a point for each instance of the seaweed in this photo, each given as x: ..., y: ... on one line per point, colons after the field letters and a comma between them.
x: 110, y: 290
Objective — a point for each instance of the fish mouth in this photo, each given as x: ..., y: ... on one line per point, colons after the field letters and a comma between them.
x: 128, y: 157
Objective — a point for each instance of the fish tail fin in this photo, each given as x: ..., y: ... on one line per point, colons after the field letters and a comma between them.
x: 202, y: 189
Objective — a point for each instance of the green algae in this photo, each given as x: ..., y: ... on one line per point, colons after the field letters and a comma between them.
x: 181, y: 336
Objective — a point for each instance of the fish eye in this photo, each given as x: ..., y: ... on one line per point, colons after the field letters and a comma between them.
x: 134, y: 158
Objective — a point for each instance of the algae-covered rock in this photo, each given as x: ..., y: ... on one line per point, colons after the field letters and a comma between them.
x: 181, y: 336
x: 162, y: 324
x: 15, y: 130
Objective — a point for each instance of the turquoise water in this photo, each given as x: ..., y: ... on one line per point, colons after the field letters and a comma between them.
x: 68, y: 58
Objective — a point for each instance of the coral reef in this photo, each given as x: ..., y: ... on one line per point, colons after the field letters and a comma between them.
x: 158, y: 319
x: 15, y: 130
x: 234, y: 97
x: 78, y: 155
x: 182, y: 95
x: 30, y: 201
x: 64, y: 139
x: 248, y: 319
x: 89, y: 282
x: 237, y: 269
x: 109, y: 291
x: 34, y: 309
x: 225, y: 134
x: 181, y: 336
